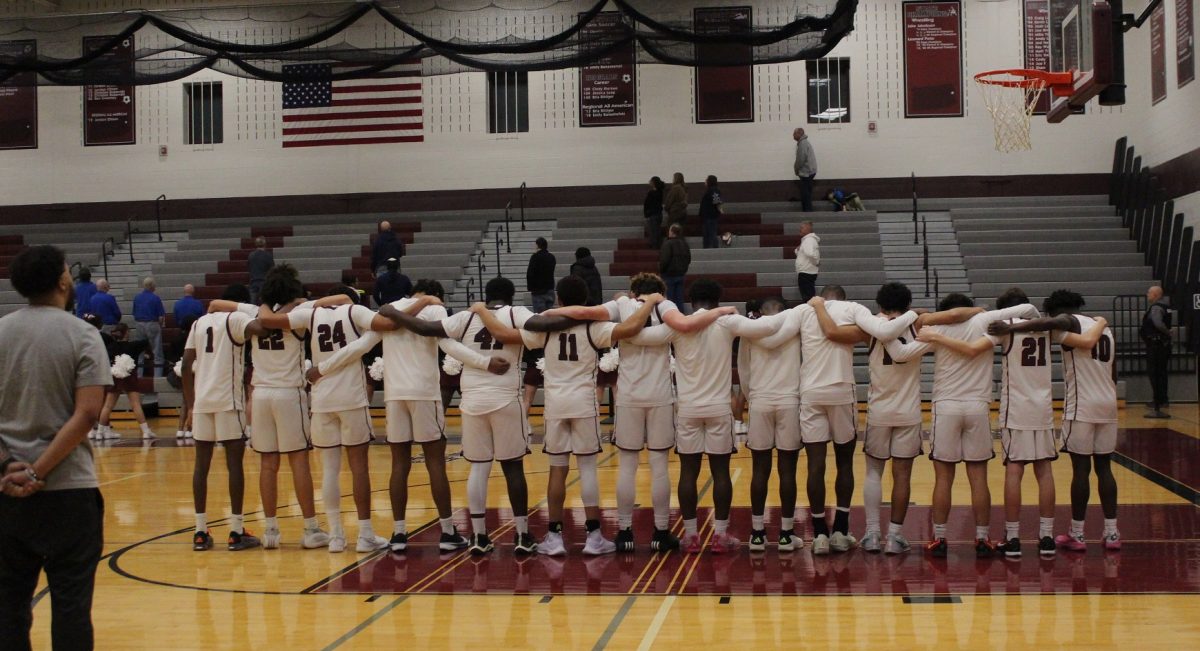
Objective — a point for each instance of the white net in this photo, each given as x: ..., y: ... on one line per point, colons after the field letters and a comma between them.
x: 1011, y: 107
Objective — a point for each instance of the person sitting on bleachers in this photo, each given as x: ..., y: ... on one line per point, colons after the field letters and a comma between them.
x: 845, y: 201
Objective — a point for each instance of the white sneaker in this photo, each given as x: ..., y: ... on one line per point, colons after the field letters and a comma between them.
x: 337, y: 544
x: 271, y: 538
x: 820, y: 545
x: 372, y: 544
x: 179, y: 434
x: 92, y: 434
x: 739, y: 427
x: 111, y: 434
x: 187, y: 433
x: 597, y: 544
x: 552, y: 545
x: 841, y: 542
x: 148, y: 435
x: 316, y: 539
x: 871, y: 542
x: 897, y: 544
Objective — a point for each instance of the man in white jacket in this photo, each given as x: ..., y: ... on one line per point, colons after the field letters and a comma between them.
x: 808, y: 261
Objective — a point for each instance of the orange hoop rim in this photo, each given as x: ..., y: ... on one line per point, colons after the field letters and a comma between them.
x: 1028, y: 78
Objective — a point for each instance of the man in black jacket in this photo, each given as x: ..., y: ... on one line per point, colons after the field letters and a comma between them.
x: 1156, y: 332
x: 392, y: 285
x: 539, y: 278
x: 386, y: 245
x: 673, y: 262
x: 585, y: 268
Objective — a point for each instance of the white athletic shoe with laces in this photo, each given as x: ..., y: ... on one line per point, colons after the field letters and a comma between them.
x: 871, y: 542
x: 271, y: 538
x: 315, y: 539
x: 552, y: 545
x: 598, y: 545
x: 897, y: 544
x: 337, y: 544
x: 840, y: 542
x: 371, y: 544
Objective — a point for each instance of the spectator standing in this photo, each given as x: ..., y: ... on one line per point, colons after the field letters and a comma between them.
x: 105, y: 306
x: 84, y: 290
x: 392, y: 285
x: 259, y: 263
x: 187, y: 309
x: 350, y: 282
x: 673, y: 262
x: 386, y: 246
x: 652, y: 209
x: 675, y: 202
x: 808, y: 261
x: 149, y: 314
x: 1156, y: 332
x: 711, y: 209
x: 805, y: 168
x: 539, y: 277
x: 585, y: 267
x: 51, y: 513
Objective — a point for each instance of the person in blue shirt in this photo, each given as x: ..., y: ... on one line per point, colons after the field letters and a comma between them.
x: 84, y: 290
x: 187, y: 309
x: 149, y: 314
x: 104, y: 306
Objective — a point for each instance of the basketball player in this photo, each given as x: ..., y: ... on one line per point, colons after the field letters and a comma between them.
x: 1089, y: 409
x: 962, y: 396
x: 213, y: 367
x: 572, y: 415
x: 645, y: 404
x: 412, y: 392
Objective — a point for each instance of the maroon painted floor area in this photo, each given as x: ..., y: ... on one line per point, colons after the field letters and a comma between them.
x: 1161, y: 555
x: 1165, y: 451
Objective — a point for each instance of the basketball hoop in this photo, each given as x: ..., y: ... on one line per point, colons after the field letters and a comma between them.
x: 1011, y: 96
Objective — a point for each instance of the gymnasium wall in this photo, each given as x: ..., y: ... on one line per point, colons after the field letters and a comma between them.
x: 458, y: 153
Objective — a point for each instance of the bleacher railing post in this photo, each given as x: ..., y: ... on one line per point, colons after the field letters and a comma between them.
x: 914, y: 210
x: 158, y: 214
x: 937, y: 286
x: 507, y: 230
x: 129, y: 238
x: 499, y: 267
x: 522, y: 205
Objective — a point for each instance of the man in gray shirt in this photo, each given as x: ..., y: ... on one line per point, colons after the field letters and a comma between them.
x: 258, y: 264
x: 805, y: 168
x: 55, y: 371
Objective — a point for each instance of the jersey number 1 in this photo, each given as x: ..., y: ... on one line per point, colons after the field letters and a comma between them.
x: 564, y: 341
x: 1033, y: 352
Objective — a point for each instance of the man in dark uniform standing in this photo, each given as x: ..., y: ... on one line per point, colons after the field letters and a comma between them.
x: 1156, y: 332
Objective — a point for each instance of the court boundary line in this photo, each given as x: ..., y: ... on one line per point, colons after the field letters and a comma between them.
x: 1158, y: 478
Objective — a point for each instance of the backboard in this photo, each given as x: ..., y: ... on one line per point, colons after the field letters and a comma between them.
x: 1080, y: 42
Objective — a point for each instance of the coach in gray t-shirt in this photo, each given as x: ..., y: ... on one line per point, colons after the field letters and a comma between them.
x: 53, y: 374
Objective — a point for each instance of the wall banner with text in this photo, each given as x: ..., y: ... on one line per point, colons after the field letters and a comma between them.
x: 933, y: 69
x: 110, y: 112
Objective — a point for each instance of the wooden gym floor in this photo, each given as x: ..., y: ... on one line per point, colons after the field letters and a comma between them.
x: 153, y: 592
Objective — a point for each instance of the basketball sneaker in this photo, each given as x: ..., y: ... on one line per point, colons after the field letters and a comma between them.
x: 241, y: 541
x: 690, y: 543
x: 758, y: 540
x: 625, y: 541
x: 524, y: 544
x: 271, y: 538
x: 452, y: 542
x: 1011, y: 549
x: 337, y: 544
x: 598, y: 545
x: 896, y: 544
x: 399, y: 542
x: 178, y: 434
x: 201, y: 541
x: 842, y: 542
x: 1046, y: 546
x: 723, y: 543
x: 552, y: 545
x: 481, y: 544
x: 820, y: 545
x: 1112, y: 542
x: 984, y: 548
x: 1071, y: 543
x: 314, y: 539
x: 937, y: 548
x: 663, y: 541
x: 789, y: 541
x: 871, y: 542
x: 371, y: 544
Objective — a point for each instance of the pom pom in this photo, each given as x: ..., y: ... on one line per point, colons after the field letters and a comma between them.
x: 122, y: 366
x: 541, y: 364
x: 610, y: 360
x: 178, y: 368
x: 672, y: 365
x: 376, y: 370
x: 452, y: 366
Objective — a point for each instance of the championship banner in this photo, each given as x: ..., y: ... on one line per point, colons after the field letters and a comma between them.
x: 1185, y: 41
x: 1158, y: 55
x: 1037, y: 44
x: 608, y: 87
x: 723, y: 93
x: 109, y: 112
x: 933, y: 78
x: 18, y: 100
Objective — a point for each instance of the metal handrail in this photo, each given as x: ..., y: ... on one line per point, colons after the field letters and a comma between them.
x: 480, y: 268
x: 470, y: 292
x: 937, y: 286
x: 107, y: 247
x: 158, y: 203
x: 914, y: 210
x: 499, y: 267
x: 522, y: 207
x: 129, y: 238
x: 507, y: 229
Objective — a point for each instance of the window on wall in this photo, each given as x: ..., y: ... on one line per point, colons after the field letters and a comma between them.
x: 508, y: 102
x: 205, y: 119
x: 828, y: 90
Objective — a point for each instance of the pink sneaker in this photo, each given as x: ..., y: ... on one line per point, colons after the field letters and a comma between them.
x: 725, y: 544
x: 690, y: 544
x: 1112, y: 542
x: 1070, y: 543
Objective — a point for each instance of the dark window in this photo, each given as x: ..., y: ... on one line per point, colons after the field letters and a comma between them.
x: 828, y: 90
x: 508, y: 102
x: 202, y: 106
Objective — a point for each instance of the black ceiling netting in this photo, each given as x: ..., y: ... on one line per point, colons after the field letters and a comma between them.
x: 447, y: 36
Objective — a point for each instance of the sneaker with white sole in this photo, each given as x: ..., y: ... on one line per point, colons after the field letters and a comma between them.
x: 148, y: 435
x: 481, y: 544
x: 1112, y: 542
x: 758, y: 540
x: 452, y: 542
x: 789, y: 541
x: 820, y: 545
x: 370, y: 544
x: 723, y: 543
x: 598, y: 545
x: 897, y: 544
x: 337, y: 544
x: 524, y: 544
x: 399, y: 542
x: 841, y: 542
x: 552, y: 545
x: 271, y: 538
x: 690, y: 543
x: 187, y: 433
x: 314, y: 539
x: 179, y: 434
x: 871, y: 542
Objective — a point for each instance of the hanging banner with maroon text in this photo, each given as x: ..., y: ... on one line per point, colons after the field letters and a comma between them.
x: 723, y: 93
x: 1185, y: 41
x: 1158, y: 55
x: 110, y: 112
x: 933, y: 81
x: 18, y: 100
x: 1037, y: 44
x: 608, y: 86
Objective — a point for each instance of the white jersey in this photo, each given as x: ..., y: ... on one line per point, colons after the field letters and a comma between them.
x: 278, y: 357
x: 484, y: 392
x: 962, y: 379
x: 704, y: 373
x: 1026, y: 402
x: 644, y: 374
x: 220, y: 366
x: 572, y: 359
x: 894, y: 398
x: 330, y: 330
x: 410, y: 361
x: 769, y: 368
x: 1090, y: 393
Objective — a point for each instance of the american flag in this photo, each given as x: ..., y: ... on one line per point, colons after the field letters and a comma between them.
x: 385, y: 107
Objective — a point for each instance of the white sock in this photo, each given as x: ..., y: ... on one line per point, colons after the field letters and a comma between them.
x: 1076, y: 528
x: 787, y: 524
x: 894, y: 529
x: 201, y: 522
x: 365, y: 529
x: 146, y: 428
x: 477, y: 485
x: 447, y: 525
x: 589, y: 482
x: 626, y: 487
x: 1011, y: 530
x: 720, y: 526
x: 981, y: 532
x: 1045, y: 527
x: 399, y: 526
x: 272, y: 524
x: 660, y: 488
x: 310, y: 524
x: 939, y: 530
x: 873, y: 493
x: 331, y: 493
x: 522, y: 523
x: 237, y: 523
x: 756, y: 522
x: 689, y: 526
x: 1110, y: 526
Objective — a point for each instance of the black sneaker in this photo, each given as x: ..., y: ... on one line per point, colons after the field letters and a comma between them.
x: 1012, y: 548
x: 984, y: 548
x: 625, y: 541
x: 1046, y: 546
x: 937, y: 548
x: 664, y: 541
x: 758, y: 540
x: 201, y: 542
x: 240, y: 541
x: 481, y: 544
x: 525, y: 544
x: 399, y: 542
x: 789, y: 541
x: 451, y: 542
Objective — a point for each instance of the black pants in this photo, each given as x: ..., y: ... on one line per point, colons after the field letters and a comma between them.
x: 808, y: 286
x: 806, y: 190
x: 711, y: 239
x: 61, y: 532
x: 1157, y: 359
x: 654, y: 231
